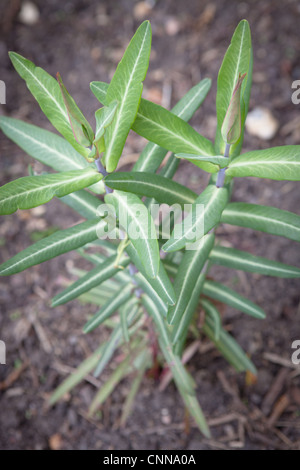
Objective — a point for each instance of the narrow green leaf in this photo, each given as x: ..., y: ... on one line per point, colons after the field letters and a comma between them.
x: 77, y: 376
x: 237, y: 60
x: 179, y: 332
x: 218, y: 291
x: 192, y: 100
x: 237, y: 259
x: 138, y: 223
x: 179, y: 372
x: 32, y: 191
x: 170, y: 267
x: 121, y: 276
x: 163, y: 189
x: 161, y: 284
x: 170, y: 168
x: 214, y: 315
x: 47, y: 92
x: 125, y: 310
x: 46, y: 147
x: 277, y: 163
x: 192, y: 404
x: 152, y: 156
x: 126, y: 88
x: 95, y: 296
x: 158, y: 318
x: 167, y: 130
x: 218, y: 161
x: 263, y: 218
x: 81, y: 128
x: 54, y: 245
x: 205, y: 213
x: 92, y: 279
x: 130, y: 398
x: 188, y: 273
x: 110, y: 384
x: 100, y: 91
x: 172, y: 133
x: 83, y: 202
x: 107, y: 288
x: 229, y: 348
x: 143, y: 282
x: 96, y: 258
x: 182, y: 378
x: 110, y: 307
x: 104, y: 117
x: 115, y: 340
x: 168, y: 171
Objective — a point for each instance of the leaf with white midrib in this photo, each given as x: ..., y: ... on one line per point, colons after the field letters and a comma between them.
x: 169, y: 131
x: 237, y: 60
x: 218, y: 160
x: 153, y: 154
x: 237, y: 259
x: 161, y: 188
x: 189, y: 270
x: 126, y: 87
x: 218, y: 291
x: 161, y: 284
x: 153, y: 294
x: 92, y: 279
x: 109, y: 308
x: 185, y: 140
x: 56, y: 244
x: 277, y: 163
x: 214, y: 200
x: 229, y: 348
x: 264, y: 218
x: 45, y: 147
x: 51, y: 97
x: 180, y: 331
x: 146, y: 246
x: 182, y: 378
x: 83, y: 203
x: 32, y: 191
x: 47, y: 92
x: 113, y: 342
x: 212, y: 312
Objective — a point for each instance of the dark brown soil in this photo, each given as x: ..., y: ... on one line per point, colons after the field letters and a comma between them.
x: 84, y: 40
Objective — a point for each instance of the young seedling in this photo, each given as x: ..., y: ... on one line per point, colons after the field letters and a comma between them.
x: 149, y: 286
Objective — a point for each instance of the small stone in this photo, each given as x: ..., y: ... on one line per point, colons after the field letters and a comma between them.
x: 165, y: 416
x: 55, y: 442
x: 141, y: 10
x: 261, y: 123
x: 172, y: 26
x: 29, y: 14
x: 95, y: 53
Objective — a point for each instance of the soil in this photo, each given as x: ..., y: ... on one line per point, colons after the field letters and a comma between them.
x: 84, y: 40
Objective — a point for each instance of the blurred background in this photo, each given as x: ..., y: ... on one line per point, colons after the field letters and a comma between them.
x: 84, y: 40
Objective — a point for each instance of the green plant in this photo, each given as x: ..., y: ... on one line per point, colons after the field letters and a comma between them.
x: 151, y: 292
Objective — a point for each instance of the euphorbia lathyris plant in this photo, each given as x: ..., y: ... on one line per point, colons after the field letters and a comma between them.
x: 140, y: 275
